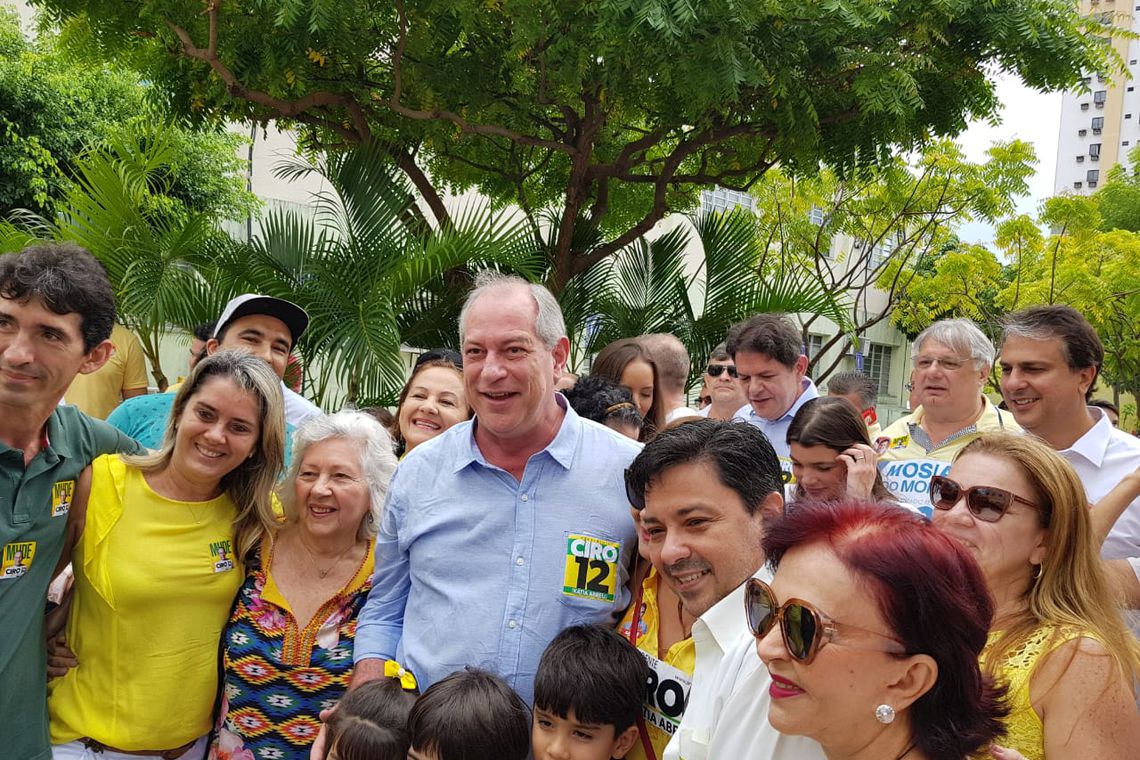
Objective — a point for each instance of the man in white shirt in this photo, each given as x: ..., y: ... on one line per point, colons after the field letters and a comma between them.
x: 704, y: 490
x: 1050, y: 359
x: 772, y: 367
x: 672, y: 362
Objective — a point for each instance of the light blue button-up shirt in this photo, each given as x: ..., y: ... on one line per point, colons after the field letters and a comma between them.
x: 476, y: 568
x: 777, y: 430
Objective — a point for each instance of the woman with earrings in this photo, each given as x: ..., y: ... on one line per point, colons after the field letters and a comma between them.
x: 1058, y: 641
x: 158, y: 544
x: 287, y: 649
x: 871, y: 630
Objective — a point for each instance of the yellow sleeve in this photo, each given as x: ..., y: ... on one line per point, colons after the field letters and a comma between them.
x: 134, y: 362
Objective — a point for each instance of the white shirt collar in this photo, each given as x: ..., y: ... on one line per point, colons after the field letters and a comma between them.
x: 1093, y: 445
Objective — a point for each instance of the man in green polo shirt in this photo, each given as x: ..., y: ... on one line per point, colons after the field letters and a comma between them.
x: 56, y: 312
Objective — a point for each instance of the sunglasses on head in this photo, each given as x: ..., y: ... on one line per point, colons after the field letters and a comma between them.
x: 987, y: 503
x: 803, y: 628
x: 715, y: 370
x: 636, y: 500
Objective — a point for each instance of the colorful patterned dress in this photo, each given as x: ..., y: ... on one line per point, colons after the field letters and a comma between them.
x: 278, y: 677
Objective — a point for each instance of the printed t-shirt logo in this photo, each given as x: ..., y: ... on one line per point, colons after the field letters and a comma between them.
x: 666, y: 694
x: 591, y: 567
x: 16, y: 559
x: 61, y: 495
x: 221, y: 555
x: 786, y: 471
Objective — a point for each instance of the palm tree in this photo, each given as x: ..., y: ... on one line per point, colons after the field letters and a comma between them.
x: 370, y: 275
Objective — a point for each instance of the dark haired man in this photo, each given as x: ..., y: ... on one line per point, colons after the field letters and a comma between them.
x: 772, y: 368
x: 56, y: 312
x: 1050, y: 359
x: 264, y: 326
x: 704, y: 489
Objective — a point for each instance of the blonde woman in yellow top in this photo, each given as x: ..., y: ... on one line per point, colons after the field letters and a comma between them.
x: 158, y: 542
x: 1059, y: 640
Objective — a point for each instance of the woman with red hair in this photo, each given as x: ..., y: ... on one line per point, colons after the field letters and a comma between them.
x: 871, y: 630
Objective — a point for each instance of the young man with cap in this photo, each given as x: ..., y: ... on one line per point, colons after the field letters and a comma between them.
x: 264, y: 326
x: 56, y: 312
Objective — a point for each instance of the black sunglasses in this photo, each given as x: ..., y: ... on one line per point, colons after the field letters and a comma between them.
x: 987, y: 503
x: 715, y: 370
x: 803, y: 628
x: 636, y: 500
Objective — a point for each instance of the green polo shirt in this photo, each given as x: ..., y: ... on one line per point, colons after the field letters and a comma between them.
x: 33, y: 516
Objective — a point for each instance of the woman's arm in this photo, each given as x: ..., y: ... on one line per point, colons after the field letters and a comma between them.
x: 1086, y: 704
x: 59, y: 657
x: 76, y: 519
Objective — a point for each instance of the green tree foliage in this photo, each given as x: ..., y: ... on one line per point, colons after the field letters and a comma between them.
x: 614, y: 112
x: 1119, y: 198
x: 869, y: 239
x: 54, y: 108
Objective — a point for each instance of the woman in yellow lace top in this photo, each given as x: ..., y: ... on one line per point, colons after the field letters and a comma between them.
x: 1059, y: 640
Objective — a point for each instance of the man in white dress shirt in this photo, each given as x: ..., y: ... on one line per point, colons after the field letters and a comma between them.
x: 704, y: 490
x: 1050, y: 359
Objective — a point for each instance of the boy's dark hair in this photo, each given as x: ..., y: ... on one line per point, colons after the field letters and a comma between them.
x: 594, y: 672
x: 67, y: 279
x: 371, y: 722
x: 471, y: 715
x: 599, y: 398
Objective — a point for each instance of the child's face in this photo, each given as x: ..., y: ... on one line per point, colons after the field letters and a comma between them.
x: 555, y: 738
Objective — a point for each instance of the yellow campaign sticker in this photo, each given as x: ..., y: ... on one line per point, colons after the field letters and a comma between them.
x: 61, y: 495
x: 901, y: 442
x: 16, y: 559
x: 591, y: 567
x: 786, y: 471
x: 221, y: 555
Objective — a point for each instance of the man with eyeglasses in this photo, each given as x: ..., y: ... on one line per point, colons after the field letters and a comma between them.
x: 724, y: 388
x: 704, y: 490
x: 769, y: 357
x: 1050, y: 360
x: 952, y: 360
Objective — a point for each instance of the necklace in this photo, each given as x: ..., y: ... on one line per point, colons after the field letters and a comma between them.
x: 313, y: 558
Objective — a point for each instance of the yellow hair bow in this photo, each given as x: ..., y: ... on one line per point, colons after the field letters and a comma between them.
x: 393, y: 669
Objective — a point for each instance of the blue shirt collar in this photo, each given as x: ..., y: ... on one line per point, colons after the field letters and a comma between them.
x: 561, y: 449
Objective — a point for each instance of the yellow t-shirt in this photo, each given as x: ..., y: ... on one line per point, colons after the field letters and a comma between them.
x: 98, y: 393
x: 154, y: 582
x: 1024, y: 730
x: 668, y: 690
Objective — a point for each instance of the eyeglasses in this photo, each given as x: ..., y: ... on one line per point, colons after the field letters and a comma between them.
x: 987, y: 503
x: 950, y: 364
x: 804, y: 628
x: 715, y: 370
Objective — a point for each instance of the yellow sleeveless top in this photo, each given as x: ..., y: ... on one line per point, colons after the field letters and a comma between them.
x: 1024, y: 730
x: 154, y: 582
x: 662, y: 712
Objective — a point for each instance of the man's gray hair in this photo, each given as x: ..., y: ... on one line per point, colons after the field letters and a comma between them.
x: 549, y: 325
x: 853, y: 381
x: 377, y: 459
x: 963, y: 336
x: 671, y: 357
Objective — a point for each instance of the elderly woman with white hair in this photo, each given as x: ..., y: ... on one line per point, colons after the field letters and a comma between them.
x: 952, y: 362
x: 287, y: 649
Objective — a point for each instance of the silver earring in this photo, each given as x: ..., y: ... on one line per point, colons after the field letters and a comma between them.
x: 885, y: 714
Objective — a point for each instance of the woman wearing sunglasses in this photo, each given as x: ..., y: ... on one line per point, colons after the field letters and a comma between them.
x: 1058, y: 641
x: 871, y: 630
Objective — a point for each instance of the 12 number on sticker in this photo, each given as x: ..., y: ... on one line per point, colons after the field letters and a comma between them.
x: 591, y: 568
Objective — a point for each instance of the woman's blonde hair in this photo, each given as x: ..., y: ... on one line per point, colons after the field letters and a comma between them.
x: 1071, y: 589
x: 377, y: 460
x: 250, y: 484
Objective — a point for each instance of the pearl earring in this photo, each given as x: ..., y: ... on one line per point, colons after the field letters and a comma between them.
x: 885, y: 714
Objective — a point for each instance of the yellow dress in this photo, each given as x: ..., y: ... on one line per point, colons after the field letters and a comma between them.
x: 1024, y: 730
x: 154, y: 582
x: 672, y: 676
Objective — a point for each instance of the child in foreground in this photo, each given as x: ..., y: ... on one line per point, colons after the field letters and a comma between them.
x: 588, y: 694
x: 470, y: 715
x: 371, y: 722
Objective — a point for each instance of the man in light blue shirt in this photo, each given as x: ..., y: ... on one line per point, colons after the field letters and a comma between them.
x: 505, y: 529
x: 770, y: 363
